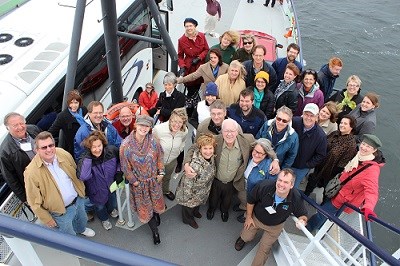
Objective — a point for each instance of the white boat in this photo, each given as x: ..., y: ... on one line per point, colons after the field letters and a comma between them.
x: 33, y: 80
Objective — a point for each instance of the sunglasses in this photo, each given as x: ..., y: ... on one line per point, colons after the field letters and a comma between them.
x: 310, y: 71
x: 48, y: 146
x: 281, y: 120
x: 247, y: 43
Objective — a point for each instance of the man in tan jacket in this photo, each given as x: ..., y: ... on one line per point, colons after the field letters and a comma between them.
x: 53, y: 190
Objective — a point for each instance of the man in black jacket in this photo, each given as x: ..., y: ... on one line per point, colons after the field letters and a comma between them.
x: 17, y: 151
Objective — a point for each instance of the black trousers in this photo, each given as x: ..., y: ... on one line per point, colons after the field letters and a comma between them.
x: 188, y: 213
x: 221, y: 192
x: 153, y: 224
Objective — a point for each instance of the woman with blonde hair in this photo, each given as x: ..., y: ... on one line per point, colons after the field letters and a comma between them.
x: 348, y: 98
x: 227, y: 45
x: 172, y: 136
x: 193, y: 192
x: 365, y: 115
x: 232, y: 83
x: 327, y: 117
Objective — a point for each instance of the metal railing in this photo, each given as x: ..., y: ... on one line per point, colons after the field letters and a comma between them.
x: 364, y: 241
x: 73, y: 245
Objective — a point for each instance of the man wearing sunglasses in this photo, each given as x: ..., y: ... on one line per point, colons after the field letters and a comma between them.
x: 53, y: 190
x: 17, y: 152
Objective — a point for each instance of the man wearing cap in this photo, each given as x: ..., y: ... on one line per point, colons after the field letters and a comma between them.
x: 53, y: 190
x: 202, y: 110
x: 251, y: 119
x: 256, y: 65
x: 16, y: 152
x: 312, y: 142
x: 269, y: 204
x: 362, y: 188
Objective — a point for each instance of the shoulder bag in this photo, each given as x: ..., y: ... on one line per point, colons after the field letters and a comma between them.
x: 334, y: 185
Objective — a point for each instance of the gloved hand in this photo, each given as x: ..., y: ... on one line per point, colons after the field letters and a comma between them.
x: 119, y: 177
x: 182, y: 71
x: 195, y: 61
x: 368, y: 212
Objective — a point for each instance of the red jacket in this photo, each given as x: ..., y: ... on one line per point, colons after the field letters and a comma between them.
x: 188, y: 50
x: 147, y: 100
x: 362, y: 188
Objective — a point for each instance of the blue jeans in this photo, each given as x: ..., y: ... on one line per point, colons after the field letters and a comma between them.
x: 74, y: 220
x: 300, y: 174
x: 102, y: 210
x: 318, y: 219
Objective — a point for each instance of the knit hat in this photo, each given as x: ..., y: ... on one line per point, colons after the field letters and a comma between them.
x: 144, y: 120
x: 267, y: 147
x: 312, y: 108
x: 262, y: 74
x: 191, y: 20
x: 372, y: 140
x: 211, y: 89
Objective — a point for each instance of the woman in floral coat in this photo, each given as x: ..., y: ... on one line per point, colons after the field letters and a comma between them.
x: 193, y: 192
x: 142, y: 163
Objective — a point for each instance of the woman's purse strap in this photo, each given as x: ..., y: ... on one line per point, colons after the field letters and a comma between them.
x: 355, y: 173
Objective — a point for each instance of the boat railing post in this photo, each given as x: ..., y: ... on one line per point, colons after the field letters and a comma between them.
x: 121, y: 220
x: 24, y: 251
x: 130, y: 223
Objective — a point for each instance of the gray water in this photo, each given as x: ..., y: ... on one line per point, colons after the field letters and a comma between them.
x: 366, y: 35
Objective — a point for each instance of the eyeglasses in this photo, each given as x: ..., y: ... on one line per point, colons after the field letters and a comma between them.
x: 15, y: 126
x: 149, y: 87
x: 259, y: 153
x: 97, y: 113
x: 229, y: 131
x: 281, y: 120
x: 310, y: 71
x: 353, y: 85
x: 48, y: 146
x: 247, y: 43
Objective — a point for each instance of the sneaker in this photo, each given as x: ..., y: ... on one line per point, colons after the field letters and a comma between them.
x: 106, y: 224
x: 88, y: 232
x: 212, y: 34
x: 114, y: 213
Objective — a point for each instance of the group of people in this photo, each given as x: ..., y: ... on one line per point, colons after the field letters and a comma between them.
x: 259, y: 130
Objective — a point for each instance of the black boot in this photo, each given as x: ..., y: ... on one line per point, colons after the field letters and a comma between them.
x: 157, y: 217
x: 154, y: 230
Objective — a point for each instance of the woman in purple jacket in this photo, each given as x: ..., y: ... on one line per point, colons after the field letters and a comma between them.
x: 98, y: 167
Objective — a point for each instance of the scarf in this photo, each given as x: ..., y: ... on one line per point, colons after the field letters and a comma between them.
x: 355, y: 161
x: 347, y: 102
x: 215, y: 71
x: 282, y: 88
x: 258, y: 96
x: 78, y: 116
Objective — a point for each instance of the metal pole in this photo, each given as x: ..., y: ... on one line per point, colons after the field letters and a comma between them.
x: 74, y: 49
x: 112, y: 49
x: 164, y: 33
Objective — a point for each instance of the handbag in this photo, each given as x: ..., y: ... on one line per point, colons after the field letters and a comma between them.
x: 334, y: 185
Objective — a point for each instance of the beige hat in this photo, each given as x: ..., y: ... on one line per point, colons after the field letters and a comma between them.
x: 144, y: 120
x: 312, y: 108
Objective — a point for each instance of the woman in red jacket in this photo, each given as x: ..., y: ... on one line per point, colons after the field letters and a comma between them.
x: 149, y: 97
x: 362, y: 190
x: 192, y: 50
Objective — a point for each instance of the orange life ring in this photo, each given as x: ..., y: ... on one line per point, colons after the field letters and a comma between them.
x: 113, y: 111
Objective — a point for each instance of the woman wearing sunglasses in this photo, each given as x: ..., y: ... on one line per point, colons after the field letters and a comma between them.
x: 283, y: 137
x: 244, y: 53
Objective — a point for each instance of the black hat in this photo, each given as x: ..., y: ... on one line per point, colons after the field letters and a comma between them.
x: 191, y: 20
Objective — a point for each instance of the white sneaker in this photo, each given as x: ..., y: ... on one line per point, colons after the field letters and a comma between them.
x: 114, y: 213
x: 106, y: 224
x: 88, y: 232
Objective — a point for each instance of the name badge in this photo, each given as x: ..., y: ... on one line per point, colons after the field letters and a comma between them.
x: 270, y: 210
x: 26, y: 146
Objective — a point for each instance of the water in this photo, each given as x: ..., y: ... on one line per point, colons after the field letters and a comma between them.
x: 366, y: 35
